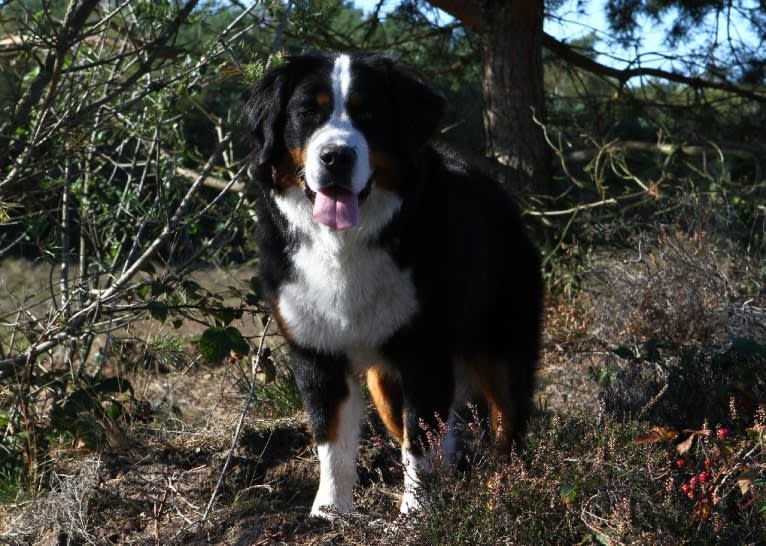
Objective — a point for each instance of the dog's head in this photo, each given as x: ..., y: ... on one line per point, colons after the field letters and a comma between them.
x: 333, y: 132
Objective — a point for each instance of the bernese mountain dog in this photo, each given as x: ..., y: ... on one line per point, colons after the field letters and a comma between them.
x: 386, y: 255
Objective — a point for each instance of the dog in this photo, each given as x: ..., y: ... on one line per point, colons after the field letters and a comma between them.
x: 386, y: 255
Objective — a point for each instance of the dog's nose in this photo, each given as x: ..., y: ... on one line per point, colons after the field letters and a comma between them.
x: 338, y: 159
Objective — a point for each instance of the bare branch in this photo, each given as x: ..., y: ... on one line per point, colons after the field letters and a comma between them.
x: 469, y: 14
x: 245, y: 410
x: 93, y: 309
x: 570, y: 55
x: 664, y: 149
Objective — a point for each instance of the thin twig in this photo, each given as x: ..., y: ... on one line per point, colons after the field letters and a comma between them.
x: 91, y: 311
x: 245, y: 411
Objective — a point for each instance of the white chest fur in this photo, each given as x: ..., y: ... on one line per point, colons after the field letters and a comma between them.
x: 346, y: 296
x: 346, y: 302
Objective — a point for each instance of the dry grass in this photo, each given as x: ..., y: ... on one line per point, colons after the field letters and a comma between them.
x: 677, y: 303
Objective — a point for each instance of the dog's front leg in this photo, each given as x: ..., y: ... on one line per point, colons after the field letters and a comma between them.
x: 334, y: 405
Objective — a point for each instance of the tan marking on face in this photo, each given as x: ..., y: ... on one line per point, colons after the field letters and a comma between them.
x: 386, y: 171
x: 355, y: 100
x: 386, y: 394
x: 287, y: 172
x: 323, y: 99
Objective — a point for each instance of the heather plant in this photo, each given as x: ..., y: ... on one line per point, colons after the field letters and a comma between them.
x: 670, y: 325
x: 604, y: 483
x: 720, y: 470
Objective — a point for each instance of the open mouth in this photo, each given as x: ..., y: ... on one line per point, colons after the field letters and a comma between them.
x: 337, y: 207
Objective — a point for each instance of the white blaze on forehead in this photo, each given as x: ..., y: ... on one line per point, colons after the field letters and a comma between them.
x: 341, y: 84
x: 339, y: 131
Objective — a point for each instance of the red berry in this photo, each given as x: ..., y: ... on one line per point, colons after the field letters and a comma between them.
x: 685, y: 488
x: 704, y: 476
x: 693, y: 481
x: 690, y: 494
x: 723, y: 433
x: 680, y: 463
x: 708, y: 463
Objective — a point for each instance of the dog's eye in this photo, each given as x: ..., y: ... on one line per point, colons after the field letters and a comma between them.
x: 309, y: 115
x: 364, y: 115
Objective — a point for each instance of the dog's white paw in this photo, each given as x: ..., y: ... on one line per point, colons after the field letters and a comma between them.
x: 410, y: 503
x: 328, y: 507
x: 325, y: 511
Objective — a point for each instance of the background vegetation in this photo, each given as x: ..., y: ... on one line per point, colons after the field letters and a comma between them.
x: 144, y: 393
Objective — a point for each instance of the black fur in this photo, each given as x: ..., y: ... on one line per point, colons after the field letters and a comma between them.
x: 475, y: 271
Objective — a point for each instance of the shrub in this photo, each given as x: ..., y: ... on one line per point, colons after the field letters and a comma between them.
x: 581, y: 481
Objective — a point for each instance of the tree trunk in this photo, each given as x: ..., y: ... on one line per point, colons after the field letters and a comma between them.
x: 511, y: 34
x: 511, y: 42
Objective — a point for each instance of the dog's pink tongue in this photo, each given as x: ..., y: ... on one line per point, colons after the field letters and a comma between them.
x: 336, y: 208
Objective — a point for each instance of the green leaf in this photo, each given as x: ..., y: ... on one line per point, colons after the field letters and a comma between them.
x: 225, y: 315
x: 112, y: 385
x: 568, y: 494
x: 652, y: 348
x: 217, y: 342
x: 213, y: 344
x: 158, y: 310
x: 603, y: 539
x: 192, y: 288
x: 238, y: 343
x: 624, y: 352
x: 115, y: 411
x: 159, y: 288
x: 143, y: 291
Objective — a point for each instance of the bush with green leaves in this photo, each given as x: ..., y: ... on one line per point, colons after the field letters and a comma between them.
x: 117, y: 172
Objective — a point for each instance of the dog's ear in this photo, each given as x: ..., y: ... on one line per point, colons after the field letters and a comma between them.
x: 263, y: 114
x: 419, y: 109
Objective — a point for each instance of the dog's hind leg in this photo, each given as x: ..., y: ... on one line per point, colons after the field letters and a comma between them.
x: 507, y: 384
x: 427, y: 399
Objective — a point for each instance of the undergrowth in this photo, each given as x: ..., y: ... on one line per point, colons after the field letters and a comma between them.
x: 584, y: 481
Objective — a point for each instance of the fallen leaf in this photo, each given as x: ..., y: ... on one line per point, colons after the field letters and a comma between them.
x: 758, y: 428
x: 684, y: 447
x: 746, y: 478
x: 656, y: 435
x: 703, y: 510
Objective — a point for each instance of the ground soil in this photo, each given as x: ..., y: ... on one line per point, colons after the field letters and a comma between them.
x: 153, y: 482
